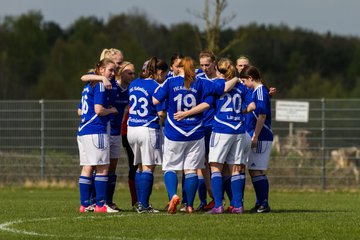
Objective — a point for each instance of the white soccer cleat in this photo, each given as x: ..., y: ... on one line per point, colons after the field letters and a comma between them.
x: 105, y: 209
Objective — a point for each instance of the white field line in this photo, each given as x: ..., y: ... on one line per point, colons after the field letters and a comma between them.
x: 7, y: 227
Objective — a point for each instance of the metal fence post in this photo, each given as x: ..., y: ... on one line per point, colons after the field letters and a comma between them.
x: 323, y: 182
x: 42, y: 138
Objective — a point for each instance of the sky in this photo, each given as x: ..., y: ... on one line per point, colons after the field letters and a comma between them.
x: 340, y: 17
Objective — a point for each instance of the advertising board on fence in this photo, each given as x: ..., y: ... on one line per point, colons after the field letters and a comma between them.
x: 291, y: 111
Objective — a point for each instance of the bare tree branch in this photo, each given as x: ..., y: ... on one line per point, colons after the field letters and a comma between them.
x: 214, y: 25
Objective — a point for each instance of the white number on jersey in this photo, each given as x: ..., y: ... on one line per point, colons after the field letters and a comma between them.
x: 143, y: 105
x: 84, y: 105
x: 189, y: 101
x: 236, y: 102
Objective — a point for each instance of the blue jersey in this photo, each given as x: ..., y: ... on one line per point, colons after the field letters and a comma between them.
x: 260, y: 96
x: 169, y: 74
x: 111, y: 94
x: 142, y: 112
x: 121, y: 101
x: 228, y: 111
x: 181, y: 99
x: 208, y: 114
x: 91, y: 123
x: 199, y: 73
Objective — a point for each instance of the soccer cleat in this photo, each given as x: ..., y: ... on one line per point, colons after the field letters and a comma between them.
x: 263, y: 209
x: 105, y: 209
x: 100, y: 209
x: 201, y: 207
x: 215, y: 210
x: 189, y: 210
x: 86, y: 209
x: 140, y: 208
x: 210, y: 205
x: 175, y: 200
x: 237, y: 210
x: 183, y: 207
x: 229, y: 209
x: 150, y: 209
x: 115, y: 207
x: 255, y: 208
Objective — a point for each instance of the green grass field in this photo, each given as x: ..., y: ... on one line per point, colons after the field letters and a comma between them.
x: 53, y: 214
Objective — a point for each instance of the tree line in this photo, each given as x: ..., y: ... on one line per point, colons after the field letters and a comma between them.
x: 40, y: 60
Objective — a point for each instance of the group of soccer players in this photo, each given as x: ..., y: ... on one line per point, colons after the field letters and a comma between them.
x: 203, y: 122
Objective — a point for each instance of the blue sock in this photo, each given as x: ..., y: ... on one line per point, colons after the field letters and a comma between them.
x: 242, y: 186
x: 191, y: 185
x: 183, y: 192
x: 85, y: 184
x: 137, y: 184
x: 236, y: 191
x: 265, y: 191
x: 202, y: 190
x: 100, y: 187
x: 92, y: 190
x: 227, y: 187
x: 111, y: 188
x: 171, y: 182
x: 261, y: 186
x: 147, y: 180
x: 216, y: 184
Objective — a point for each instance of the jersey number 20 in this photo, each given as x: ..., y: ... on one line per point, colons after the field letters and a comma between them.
x: 236, y: 102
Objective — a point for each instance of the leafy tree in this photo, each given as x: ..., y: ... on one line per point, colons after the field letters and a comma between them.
x: 316, y: 87
x: 355, y: 93
x: 40, y: 60
x: 25, y: 50
x: 183, y: 39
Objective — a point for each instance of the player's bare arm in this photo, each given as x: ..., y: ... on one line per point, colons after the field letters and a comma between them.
x: 259, y: 125
x: 101, y: 111
x: 251, y: 107
x: 98, y: 78
x: 195, y: 110
x: 162, y: 116
x: 230, y: 84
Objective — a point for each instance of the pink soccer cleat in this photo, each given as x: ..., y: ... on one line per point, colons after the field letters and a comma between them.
x: 217, y: 210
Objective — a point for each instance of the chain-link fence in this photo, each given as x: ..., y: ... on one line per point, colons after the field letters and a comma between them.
x: 38, y: 142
